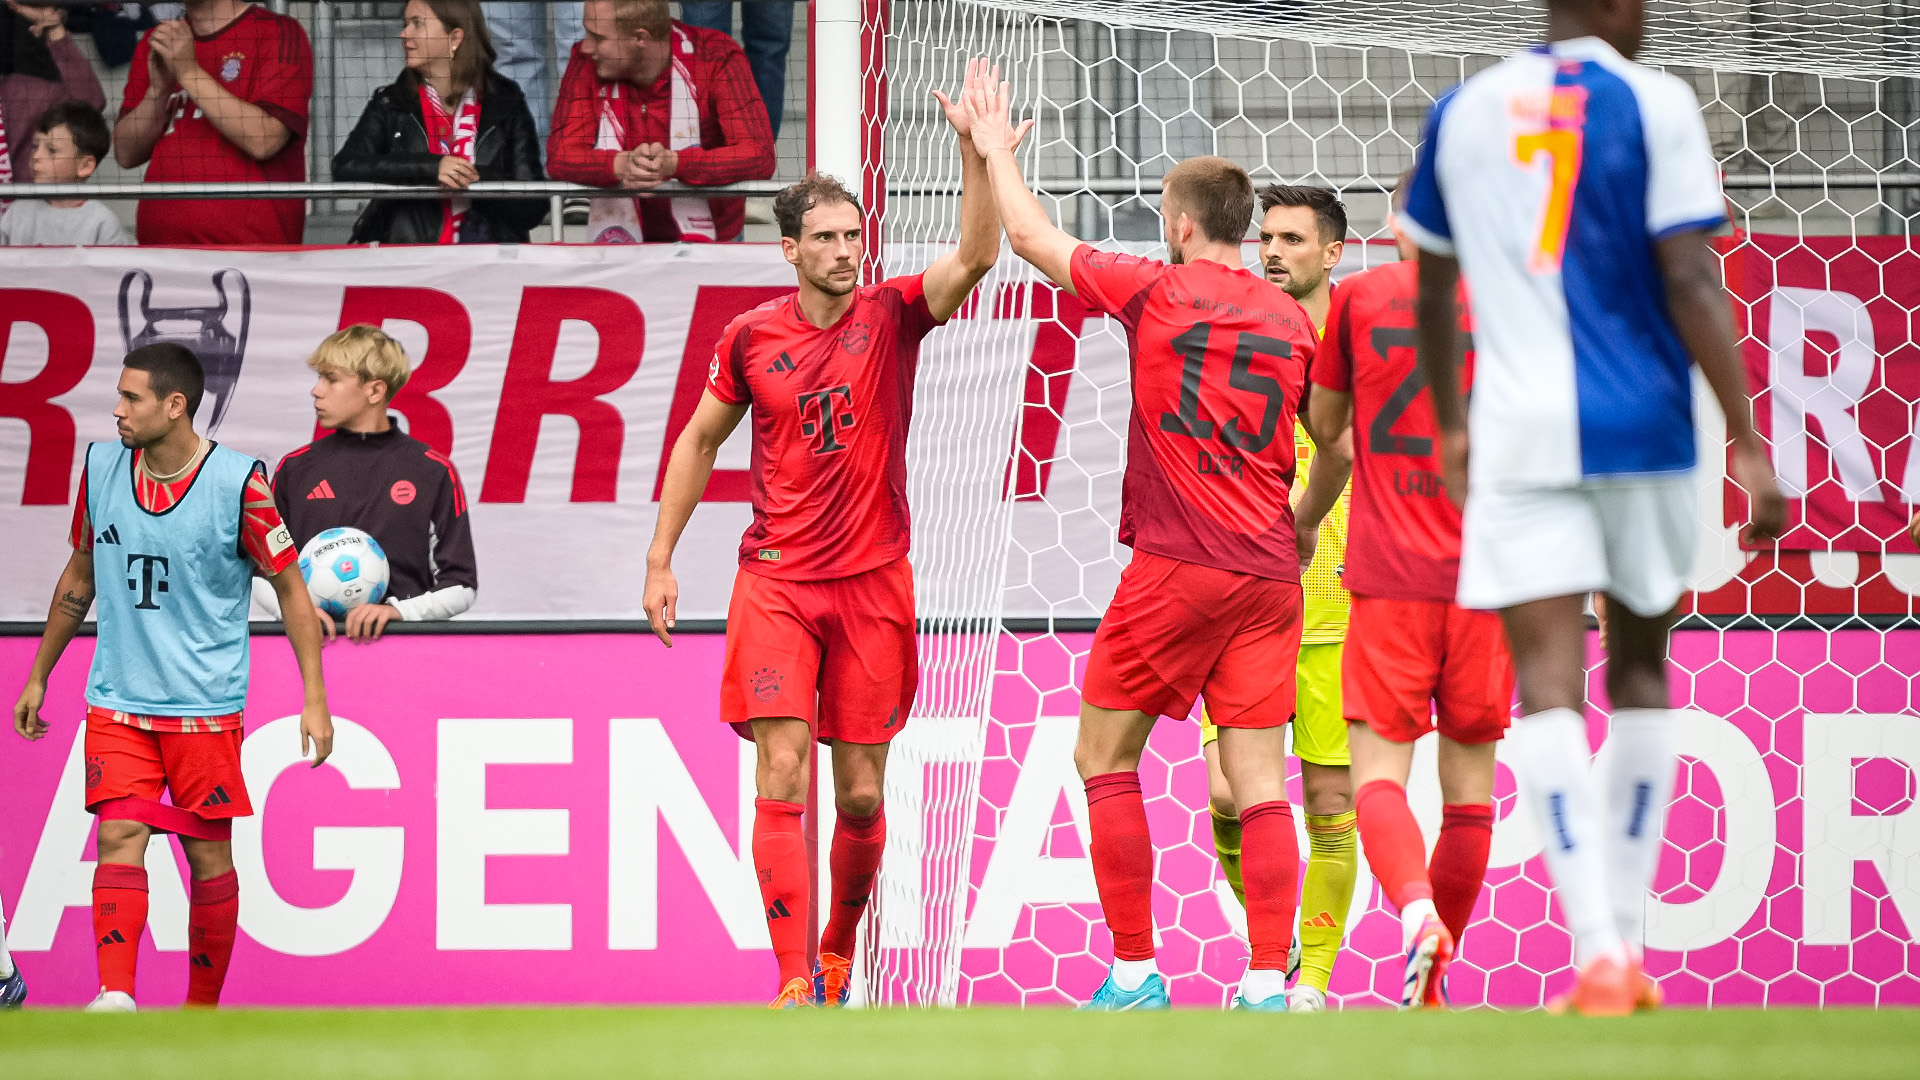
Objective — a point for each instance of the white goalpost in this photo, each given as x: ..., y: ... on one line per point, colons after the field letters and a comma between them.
x: 987, y: 895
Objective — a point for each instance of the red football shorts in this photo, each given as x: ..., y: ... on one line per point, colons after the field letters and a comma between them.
x: 129, y: 767
x: 1177, y: 630
x: 847, y: 644
x: 1410, y: 661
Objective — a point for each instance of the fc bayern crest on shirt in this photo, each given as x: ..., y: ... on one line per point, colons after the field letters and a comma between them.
x: 856, y: 338
x: 230, y: 67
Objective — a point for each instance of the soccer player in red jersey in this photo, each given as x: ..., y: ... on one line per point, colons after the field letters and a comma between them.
x: 1413, y: 654
x: 823, y: 602
x: 1211, y: 602
x: 168, y: 530
x: 219, y: 96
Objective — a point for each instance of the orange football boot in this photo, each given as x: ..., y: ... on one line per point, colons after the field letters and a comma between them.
x: 1647, y: 995
x: 797, y: 994
x: 1605, y: 988
x: 832, y: 976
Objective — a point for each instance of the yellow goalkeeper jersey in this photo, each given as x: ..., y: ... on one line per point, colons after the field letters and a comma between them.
x: 1327, y: 600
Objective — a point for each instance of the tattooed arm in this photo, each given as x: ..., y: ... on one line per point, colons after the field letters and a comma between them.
x: 71, y: 600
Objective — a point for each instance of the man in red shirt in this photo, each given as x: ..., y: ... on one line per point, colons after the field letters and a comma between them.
x: 1412, y: 653
x: 646, y: 100
x: 822, y: 604
x: 219, y: 96
x: 1211, y: 601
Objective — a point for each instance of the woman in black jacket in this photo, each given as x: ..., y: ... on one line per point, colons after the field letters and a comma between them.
x: 448, y: 119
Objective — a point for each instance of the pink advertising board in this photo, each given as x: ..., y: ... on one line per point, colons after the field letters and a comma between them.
x: 550, y: 819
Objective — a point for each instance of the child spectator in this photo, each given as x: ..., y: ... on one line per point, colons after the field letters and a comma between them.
x: 39, y: 65
x: 369, y: 474
x: 69, y: 142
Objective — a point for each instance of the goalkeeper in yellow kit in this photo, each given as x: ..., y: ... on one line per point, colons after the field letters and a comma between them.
x: 1302, y: 235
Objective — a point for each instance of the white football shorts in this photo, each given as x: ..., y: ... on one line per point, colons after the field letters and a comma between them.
x: 1632, y: 539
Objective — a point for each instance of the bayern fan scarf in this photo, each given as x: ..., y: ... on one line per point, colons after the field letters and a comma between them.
x: 6, y: 158
x: 451, y: 135
x: 617, y: 221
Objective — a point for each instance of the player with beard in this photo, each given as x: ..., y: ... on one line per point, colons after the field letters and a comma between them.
x: 822, y: 606
x: 168, y: 530
x: 1210, y: 603
x: 1302, y: 236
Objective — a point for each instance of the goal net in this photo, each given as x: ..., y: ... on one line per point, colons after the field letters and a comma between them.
x: 1787, y: 876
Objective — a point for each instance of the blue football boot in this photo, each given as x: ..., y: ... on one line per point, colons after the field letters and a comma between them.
x: 1151, y: 995
x: 13, y: 990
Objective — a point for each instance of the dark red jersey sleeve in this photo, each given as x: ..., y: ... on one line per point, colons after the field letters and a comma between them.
x: 730, y: 101
x: 1332, y: 365
x: 263, y: 536
x: 1111, y: 282
x: 916, y: 318
x: 727, y: 376
x: 137, y: 78
x: 285, y: 83
x: 576, y: 125
x: 80, y: 536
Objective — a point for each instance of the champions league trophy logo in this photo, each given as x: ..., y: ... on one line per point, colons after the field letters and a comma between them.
x: 202, y: 329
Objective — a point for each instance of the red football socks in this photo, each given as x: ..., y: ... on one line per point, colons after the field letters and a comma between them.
x: 1460, y: 862
x: 780, y: 857
x: 1392, y: 841
x: 858, y: 843
x: 1270, y: 869
x: 210, y: 927
x: 1122, y: 861
x: 119, y: 918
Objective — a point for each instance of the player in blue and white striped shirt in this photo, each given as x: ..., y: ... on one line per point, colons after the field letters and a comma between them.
x: 1576, y: 191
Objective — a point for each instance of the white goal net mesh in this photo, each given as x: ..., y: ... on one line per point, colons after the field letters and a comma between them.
x: 1788, y: 872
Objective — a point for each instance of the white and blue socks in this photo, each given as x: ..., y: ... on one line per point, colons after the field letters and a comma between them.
x: 1641, y: 767
x: 1559, y: 788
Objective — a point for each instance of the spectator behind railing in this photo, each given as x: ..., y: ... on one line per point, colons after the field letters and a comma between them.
x: 448, y: 119
x: 219, y: 96
x: 39, y: 65
x: 523, y: 42
x: 647, y: 100
x: 69, y: 142
x: 766, y: 33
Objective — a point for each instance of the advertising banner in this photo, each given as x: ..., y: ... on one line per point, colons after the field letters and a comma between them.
x: 557, y: 378
x: 547, y: 819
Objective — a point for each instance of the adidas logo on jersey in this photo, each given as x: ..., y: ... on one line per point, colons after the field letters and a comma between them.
x: 781, y: 366
x: 110, y: 536
x: 321, y: 490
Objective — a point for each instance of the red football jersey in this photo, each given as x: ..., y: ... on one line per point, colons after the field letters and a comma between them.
x: 1403, y: 542
x: 264, y: 59
x: 830, y: 414
x: 1219, y: 360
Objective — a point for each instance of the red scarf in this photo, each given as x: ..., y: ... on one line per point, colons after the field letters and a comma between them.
x: 451, y: 135
x: 6, y: 159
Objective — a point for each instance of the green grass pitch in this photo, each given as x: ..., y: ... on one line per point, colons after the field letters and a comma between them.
x: 530, y: 1044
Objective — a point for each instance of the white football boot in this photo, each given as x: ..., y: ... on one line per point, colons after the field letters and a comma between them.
x: 112, y: 1001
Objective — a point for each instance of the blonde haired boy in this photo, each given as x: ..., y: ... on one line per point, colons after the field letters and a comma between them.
x: 368, y: 474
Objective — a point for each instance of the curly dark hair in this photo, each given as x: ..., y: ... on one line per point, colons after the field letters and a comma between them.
x: 794, y: 200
